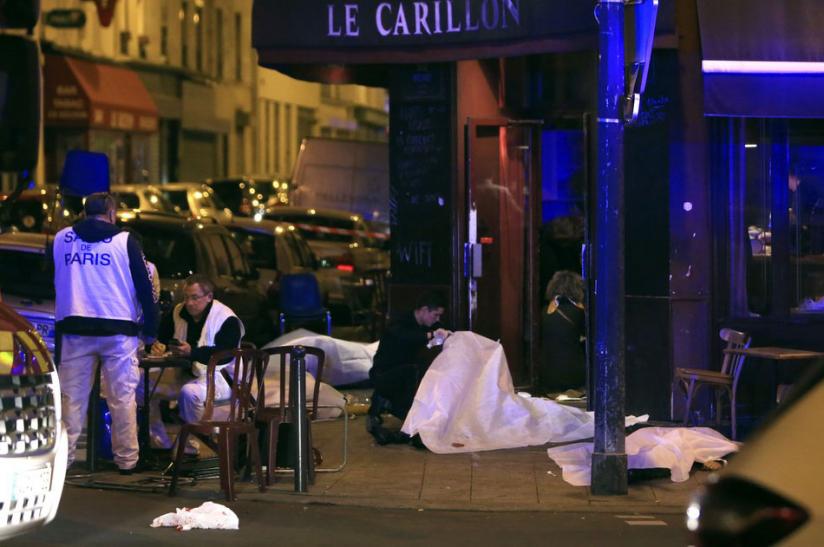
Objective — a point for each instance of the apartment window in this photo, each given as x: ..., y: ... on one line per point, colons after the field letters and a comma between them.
x: 125, y: 37
x: 197, y: 19
x: 164, y: 41
x: 287, y: 134
x: 306, y: 123
x: 276, y: 138
x: 183, y: 15
x: 219, y: 39
x: 238, y: 47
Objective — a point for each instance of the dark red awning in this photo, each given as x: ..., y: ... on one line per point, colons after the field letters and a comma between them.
x: 80, y: 93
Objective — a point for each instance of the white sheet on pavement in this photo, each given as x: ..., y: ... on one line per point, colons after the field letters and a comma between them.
x: 673, y: 448
x: 208, y: 515
x: 346, y: 362
x: 466, y: 402
x: 330, y: 400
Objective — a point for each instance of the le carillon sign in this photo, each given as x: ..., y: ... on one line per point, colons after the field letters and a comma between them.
x: 407, y: 31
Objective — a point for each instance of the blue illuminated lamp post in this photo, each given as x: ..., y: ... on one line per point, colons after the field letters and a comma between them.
x: 609, y: 459
x: 623, y: 63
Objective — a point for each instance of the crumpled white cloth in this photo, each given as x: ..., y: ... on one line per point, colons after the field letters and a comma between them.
x: 673, y: 448
x: 209, y: 515
x: 466, y: 402
x: 346, y: 362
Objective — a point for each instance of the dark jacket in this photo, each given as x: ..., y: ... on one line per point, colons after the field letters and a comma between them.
x: 402, y: 343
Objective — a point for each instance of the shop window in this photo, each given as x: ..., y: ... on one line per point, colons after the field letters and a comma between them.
x: 778, y: 203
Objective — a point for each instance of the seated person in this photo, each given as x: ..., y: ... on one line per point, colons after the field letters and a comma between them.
x: 400, y: 362
x: 196, y: 328
x: 562, y: 333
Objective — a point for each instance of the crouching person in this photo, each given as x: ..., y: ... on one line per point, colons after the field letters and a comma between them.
x: 407, y: 347
x: 196, y: 329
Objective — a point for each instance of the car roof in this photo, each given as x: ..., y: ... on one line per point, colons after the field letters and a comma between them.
x: 262, y: 226
x: 165, y: 219
x: 132, y: 187
x: 183, y: 186
x: 25, y: 241
x: 301, y: 211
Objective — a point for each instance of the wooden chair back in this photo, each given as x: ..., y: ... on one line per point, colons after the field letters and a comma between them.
x: 247, y: 367
x: 282, y: 355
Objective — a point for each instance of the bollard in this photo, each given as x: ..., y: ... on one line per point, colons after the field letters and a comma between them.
x: 297, y: 398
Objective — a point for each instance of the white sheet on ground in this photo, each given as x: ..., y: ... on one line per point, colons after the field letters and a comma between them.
x: 466, y: 402
x: 330, y: 400
x: 673, y: 448
x: 208, y: 515
x: 346, y: 362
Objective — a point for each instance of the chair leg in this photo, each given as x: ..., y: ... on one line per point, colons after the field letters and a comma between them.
x: 255, y: 458
x: 272, y: 456
x: 733, y: 416
x: 311, y: 462
x: 688, y: 405
x: 181, y: 450
x: 718, y: 394
x: 225, y: 458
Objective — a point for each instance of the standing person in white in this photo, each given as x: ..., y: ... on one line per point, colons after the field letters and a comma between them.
x: 103, y: 302
x: 197, y: 328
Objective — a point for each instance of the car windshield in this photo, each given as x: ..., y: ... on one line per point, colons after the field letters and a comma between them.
x: 159, y: 202
x: 259, y: 248
x: 171, y: 250
x: 32, y: 276
x: 318, y: 228
x: 178, y: 199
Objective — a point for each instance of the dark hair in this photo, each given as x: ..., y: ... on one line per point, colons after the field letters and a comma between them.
x: 431, y: 300
x: 567, y: 284
x: 203, y: 280
x: 99, y: 203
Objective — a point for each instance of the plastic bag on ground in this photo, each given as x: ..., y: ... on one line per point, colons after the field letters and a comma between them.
x: 210, y: 515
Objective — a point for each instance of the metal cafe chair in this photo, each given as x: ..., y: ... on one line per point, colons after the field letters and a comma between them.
x: 283, y: 410
x: 301, y: 303
x: 691, y: 380
x: 239, y: 418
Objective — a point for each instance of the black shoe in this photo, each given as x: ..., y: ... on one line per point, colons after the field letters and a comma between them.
x: 417, y: 442
x: 126, y: 471
x: 381, y: 435
x: 373, y: 422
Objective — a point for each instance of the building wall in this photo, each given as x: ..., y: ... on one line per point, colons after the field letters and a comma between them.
x: 196, y: 59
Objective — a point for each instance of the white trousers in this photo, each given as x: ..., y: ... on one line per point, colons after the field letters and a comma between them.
x: 117, y: 355
x: 190, y: 395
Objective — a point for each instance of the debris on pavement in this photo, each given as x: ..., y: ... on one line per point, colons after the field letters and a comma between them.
x: 210, y: 515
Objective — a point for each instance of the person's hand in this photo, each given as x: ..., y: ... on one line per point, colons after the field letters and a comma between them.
x: 158, y: 348
x: 183, y: 350
x: 442, y: 334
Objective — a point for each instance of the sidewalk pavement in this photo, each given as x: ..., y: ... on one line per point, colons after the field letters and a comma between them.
x: 401, y: 476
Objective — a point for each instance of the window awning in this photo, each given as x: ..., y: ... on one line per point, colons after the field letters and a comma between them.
x: 762, y: 58
x: 79, y: 93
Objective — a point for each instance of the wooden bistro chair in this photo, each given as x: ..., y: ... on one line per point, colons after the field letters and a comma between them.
x: 282, y: 412
x: 234, y: 417
x: 692, y: 380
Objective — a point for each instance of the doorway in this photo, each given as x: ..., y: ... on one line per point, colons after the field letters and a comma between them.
x: 503, y: 221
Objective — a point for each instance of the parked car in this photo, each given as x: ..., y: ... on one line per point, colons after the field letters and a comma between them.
x: 247, y: 196
x: 27, y: 280
x: 146, y: 197
x: 773, y: 489
x: 33, y: 446
x: 340, y: 238
x: 40, y: 210
x: 196, y: 200
x: 180, y: 247
x: 276, y: 249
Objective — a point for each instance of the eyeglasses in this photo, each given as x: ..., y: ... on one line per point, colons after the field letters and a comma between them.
x: 194, y: 297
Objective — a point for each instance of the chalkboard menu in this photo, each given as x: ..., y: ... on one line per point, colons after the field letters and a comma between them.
x: 421, y: 167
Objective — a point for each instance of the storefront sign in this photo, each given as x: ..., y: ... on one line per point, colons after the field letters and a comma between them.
x: 65, y: 18
x: 339, y: 31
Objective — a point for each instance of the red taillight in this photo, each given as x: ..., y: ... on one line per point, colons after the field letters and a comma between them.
x: 348, y: 268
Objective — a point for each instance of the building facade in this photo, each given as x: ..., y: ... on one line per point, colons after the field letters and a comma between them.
x: 170, y: 90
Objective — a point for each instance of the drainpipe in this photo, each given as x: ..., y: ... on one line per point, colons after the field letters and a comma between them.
x: 609, y: 459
